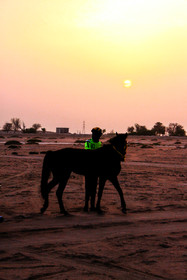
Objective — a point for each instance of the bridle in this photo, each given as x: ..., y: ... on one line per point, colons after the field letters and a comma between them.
x: 121, y: 155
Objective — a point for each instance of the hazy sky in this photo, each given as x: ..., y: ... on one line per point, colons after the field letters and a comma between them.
x: 63, y: 62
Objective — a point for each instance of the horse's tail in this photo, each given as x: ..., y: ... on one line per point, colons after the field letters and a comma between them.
x: 46, y: 170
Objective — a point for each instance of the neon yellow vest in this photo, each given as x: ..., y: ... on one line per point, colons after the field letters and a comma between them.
x: 91, y: 145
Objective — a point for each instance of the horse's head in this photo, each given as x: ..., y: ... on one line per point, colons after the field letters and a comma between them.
x: 119, y: 143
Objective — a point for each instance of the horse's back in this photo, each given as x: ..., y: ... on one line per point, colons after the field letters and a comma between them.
x: 71, y: 159
x: 99, y: 161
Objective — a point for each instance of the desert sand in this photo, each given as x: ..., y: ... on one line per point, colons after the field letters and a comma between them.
x: 149, y: 242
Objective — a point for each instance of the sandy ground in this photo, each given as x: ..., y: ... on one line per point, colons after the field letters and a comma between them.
x: 149, y: 242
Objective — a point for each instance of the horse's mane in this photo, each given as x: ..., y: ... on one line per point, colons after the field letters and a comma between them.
x: 112, y: 140
x: 108, y: 142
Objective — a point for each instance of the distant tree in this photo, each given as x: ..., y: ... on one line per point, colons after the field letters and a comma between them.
x: 130, y: 129
x: 180, y: 130
x: 23, y: 126
x: 158, y: 128
x: 43, y: 129
x: 36, y: 126
x: 16, y: 124
x: 142, y: 130
x: 104, y: 130
x: 7, y: 127
x: 176, y: 129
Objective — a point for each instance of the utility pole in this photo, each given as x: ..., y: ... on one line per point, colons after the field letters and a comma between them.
x: 83, y: 128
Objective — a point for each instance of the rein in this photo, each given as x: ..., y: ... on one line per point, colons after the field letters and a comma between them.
x: 122, y: 156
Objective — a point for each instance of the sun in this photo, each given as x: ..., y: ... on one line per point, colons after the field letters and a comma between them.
x: 127, y: 83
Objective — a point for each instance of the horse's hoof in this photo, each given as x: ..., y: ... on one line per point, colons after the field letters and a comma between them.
x: 124, y: 211
x: 42, y: 210
x: 65, y: 213
x: 85, y: 209
x: 93, y: 209
x: 100, y: 212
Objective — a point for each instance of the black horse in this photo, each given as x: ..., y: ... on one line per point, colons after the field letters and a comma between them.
x: 104, y: 163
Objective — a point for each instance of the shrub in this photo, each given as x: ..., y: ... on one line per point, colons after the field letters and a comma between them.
x: 29, y: 130
x: 33, y: 141
x: 14, y: 147
x: 79, y: 141
x: 145, y: 146
x: 13, y: 142
x: 33, y: 153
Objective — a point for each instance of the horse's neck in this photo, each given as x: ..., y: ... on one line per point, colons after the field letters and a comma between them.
x: 107, y: 145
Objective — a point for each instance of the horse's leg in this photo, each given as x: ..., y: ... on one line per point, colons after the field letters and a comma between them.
x: 93, y: 187
x: 102, y: 181
x: 87, y: 194
x: 50, y: 185
x: 59, y: 192
x: 114, y: 181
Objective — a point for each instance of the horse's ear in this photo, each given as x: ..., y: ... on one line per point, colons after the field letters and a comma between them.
x: 125, y: 135
x: 116, y: 134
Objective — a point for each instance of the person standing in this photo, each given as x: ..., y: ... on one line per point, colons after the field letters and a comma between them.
x: 91, y: 184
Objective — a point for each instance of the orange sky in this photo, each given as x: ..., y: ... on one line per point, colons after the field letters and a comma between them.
x: 64, y: 62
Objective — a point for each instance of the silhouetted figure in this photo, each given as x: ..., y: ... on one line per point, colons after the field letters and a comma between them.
x: 91, y: 185
x: 94, y: 142
x: 104, y: 162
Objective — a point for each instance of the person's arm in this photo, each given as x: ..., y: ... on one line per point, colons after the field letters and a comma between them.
x: 100, y: 144
x: 87, y: 145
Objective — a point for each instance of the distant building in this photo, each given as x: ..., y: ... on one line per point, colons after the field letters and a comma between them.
x: 62, y: 130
